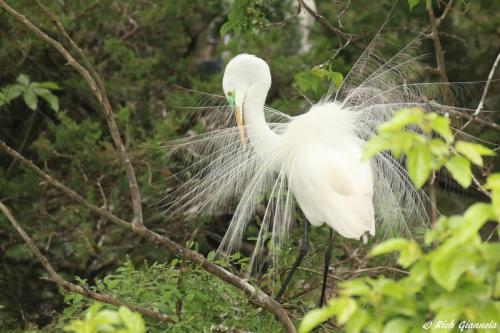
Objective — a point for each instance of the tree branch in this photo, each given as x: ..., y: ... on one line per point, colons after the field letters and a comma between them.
x: 57, y: 279
x: 255, y: 295
x: 323, y: 21
x: 98, y: 90
x: 474, y: 116
x: 439, y: 53
x: 445, y: 12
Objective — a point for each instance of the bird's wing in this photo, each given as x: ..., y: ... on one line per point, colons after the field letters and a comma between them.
x: 333, y: 186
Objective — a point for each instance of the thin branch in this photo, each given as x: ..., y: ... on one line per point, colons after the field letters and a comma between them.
x: 342, y: 12
x: 441, y: 71
x: 440, y: 19
x: 255, y: 295
x: 57, y: 279
x: 485, y: 93
x: 98, y: 90
x: 480, y: 187
x: 323, y: 21
x: 439, y: 53
x: 470, y: 116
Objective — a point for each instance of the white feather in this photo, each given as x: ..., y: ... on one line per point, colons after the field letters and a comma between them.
x: 312, y: 159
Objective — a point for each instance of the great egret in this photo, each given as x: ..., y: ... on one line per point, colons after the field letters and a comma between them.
x: 318, y: 152
x: 312, y: 159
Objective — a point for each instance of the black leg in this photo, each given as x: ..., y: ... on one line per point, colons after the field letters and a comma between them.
x: 302, y: 253
x: 328, y: 258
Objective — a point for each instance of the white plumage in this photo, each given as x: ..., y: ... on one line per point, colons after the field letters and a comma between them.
x: 318, y: 151
x: 313, y: 160
x: 329, y: 180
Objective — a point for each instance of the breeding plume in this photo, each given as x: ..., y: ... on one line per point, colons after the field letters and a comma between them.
x: 265, y: 158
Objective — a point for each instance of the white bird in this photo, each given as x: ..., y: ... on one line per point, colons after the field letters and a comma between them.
x: 313, y: 160
x: 318, y: 151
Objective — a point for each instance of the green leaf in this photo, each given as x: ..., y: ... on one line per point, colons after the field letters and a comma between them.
x: 346, y: 307
x: 343, y: 308
x: 49, y: 85
x: 459, y: 167
x: 446, y: 314
x: 133, y: 321
x: 306, y: 81
x: 475, y: 217
x: 410, y: 254
x: 398, y: 325
x: 324, y: 73
x: 374, y: 146
x: 108, y: 317
x: 30, y: 99
x: 496, y: 291
x: 23, y: 80
x: 403, y: 118
x: 441, y: 125
x: 402, y: 142
x: 495, y: 201
x: 357, y: 321
x: 51, y: 99
x: 438, y: 147
x: 448, y: 267
x: 419, y: 164
x: 14, y: 91
x: 337, y: 78
x: 473, y: 151
x: 413, y: 3
x: 211, y: 256
x: 493, y: 181
x: 391, y: 245
x: 315, y: 317
x: 354, y: 288
x: 409, y: 251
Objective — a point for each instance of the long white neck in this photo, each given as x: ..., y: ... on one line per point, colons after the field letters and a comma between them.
x: 262, y: 138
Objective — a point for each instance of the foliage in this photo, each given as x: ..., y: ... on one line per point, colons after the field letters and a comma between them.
x: 243, y: 16
x: 413, y: 3
x: 96, y: 320
x: 424, y: 152
x: 30, y: 91
x: 317, y: 80
x: 454, y: 278
x: 183, y: 291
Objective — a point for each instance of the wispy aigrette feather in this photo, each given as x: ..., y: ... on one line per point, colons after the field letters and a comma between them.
x: 224, y: 175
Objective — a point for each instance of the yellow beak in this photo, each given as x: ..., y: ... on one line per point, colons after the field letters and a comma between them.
x: 239, y: 122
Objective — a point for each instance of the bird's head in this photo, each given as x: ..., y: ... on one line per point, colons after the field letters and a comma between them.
x: 242, y: 73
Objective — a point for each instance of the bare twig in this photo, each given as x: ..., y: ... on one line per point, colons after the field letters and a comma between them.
x: 445, y: 12
x: 439, y: 53
x: 255, y: 295
x: 324, y: 22
x: 480, y: 187
x: 441, y: 71
x: 286, y: 20
x: 100, y: 93
x: 470, y: 116
x: 342, y: 12
x: 56, y: 278
x: 485, y: 93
